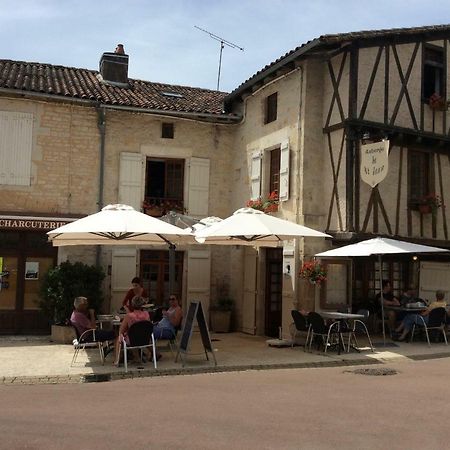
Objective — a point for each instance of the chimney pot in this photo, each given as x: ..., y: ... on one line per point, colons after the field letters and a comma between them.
x: 120, y: 50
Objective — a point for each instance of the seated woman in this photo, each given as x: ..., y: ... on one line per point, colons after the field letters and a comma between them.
x: 406, y: 326
x: 80, y: 320
x: 166, y: 328
x: 136, y: 290
x: 137, y: 314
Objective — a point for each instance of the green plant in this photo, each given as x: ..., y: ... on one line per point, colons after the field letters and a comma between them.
x: 223, y: 304
x: 65, y: 282
x: 314, y: 272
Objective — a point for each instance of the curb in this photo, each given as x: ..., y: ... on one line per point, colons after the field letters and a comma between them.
x: 147, y: 373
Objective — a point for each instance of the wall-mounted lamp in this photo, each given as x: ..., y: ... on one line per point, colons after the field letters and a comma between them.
x: 415, y: 258
x: 287, y: 270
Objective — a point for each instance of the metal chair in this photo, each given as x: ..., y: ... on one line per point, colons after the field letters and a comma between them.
x: 436, y: 321
x: 301, y: 325
x: 359, y: 326
x: 319, y: 328
x: 80, y: 343
x: 140, y: 335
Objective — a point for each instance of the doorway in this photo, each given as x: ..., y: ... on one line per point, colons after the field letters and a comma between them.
x: 25, y: 258
x: 274, y: 291
x: 154, y: 273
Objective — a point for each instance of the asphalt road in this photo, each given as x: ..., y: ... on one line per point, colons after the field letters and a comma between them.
x: 324, y: 408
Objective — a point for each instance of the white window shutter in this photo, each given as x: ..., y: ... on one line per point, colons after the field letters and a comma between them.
x: 255, y: 176
x: 284, y: 172
x: 198, y: 191
x: 16, y: 139
x: 123, y: 270
x: 199, y: 276
x: 130, y: 180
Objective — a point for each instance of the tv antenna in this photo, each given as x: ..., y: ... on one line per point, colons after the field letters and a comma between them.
x: 223, y: 42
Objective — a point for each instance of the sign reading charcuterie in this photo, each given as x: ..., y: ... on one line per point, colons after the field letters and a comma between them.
x: 28, y: 223
x: 374, y: 162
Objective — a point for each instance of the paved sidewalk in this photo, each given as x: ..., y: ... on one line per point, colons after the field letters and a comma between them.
x: 37, y: 360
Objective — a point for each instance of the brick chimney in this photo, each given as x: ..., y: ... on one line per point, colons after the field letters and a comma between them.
x: 114, y: 66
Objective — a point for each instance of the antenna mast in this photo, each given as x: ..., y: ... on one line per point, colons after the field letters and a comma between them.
x: 223, y: 42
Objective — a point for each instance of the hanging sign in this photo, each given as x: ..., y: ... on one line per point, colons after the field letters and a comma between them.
x: 374, y: 162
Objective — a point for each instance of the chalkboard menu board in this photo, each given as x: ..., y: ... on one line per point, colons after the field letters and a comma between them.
x: 195, y: 311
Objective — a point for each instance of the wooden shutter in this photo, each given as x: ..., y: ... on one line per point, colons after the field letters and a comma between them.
x: 284, y: 172
x: 123, y: 270
x: 130, y: 180
x: 434, y: 276
x: 255, y: 175
x: 198, y: 191
x: 199, y: 277
x: 250, y: 291
x: 16, y: 138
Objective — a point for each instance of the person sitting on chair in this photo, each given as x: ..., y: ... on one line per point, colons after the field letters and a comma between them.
x: 135, y: 290
x: 136, y: 314
x: 167, y: 327
x: 80, y: 320
x: 388, y: 300
x: 411, y: 319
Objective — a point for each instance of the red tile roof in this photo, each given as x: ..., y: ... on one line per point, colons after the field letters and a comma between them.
x: 85, y: 84
x: 329, y: 40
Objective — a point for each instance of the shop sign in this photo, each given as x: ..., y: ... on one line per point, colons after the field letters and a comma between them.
x: 374, y: 162
x: 31, y: 223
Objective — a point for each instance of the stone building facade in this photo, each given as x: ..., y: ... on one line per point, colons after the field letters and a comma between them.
x: 295, y: 127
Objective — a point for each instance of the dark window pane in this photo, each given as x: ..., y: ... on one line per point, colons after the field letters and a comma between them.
x: 274, y: 178
x: 433, y: 72
x: 419, y: 174
x: 167, y: 130
x: 271, y: 108
x: 9, y: 239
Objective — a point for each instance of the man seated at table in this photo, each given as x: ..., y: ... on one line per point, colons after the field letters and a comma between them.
x: 410, y: 319
x: 410, y: 296
x: 80, y: 320
x: 388, y: 300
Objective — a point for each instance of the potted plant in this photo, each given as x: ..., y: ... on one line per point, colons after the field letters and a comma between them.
x: 314, y: 272
x: 437, y: 102
x: 220, y: 314
x: 268, y: 205
x: 430, y: 204
x: 60, y: 287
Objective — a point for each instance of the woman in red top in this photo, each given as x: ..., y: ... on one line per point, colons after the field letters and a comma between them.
x: 136, y: 291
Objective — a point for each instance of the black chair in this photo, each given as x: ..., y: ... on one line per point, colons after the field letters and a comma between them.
x: 140, y: 335
x: 359, y: 327
x: 301, y: 326
x: 319, y: 328
x: 436, y: 321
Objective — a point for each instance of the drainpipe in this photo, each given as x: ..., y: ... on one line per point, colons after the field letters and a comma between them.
x: 101, y: 124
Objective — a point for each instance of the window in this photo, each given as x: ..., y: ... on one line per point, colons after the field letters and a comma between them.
x: 419, y: 175
x: 16, y: 130
x: 167, y: 130
x: 274, y: 175
x: 433, y: 72
x: 271, y: 108
x: 164, y: 183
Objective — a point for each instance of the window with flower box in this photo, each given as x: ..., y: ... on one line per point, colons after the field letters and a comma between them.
x: 164, y: 186
x: 433, y: 72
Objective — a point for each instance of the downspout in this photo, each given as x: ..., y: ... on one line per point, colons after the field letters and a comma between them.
x: 299, y: 165
x: 101, y: 124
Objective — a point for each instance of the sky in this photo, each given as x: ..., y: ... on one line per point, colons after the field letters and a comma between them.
x: 163, y: 45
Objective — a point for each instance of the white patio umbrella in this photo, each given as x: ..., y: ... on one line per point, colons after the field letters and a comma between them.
x: 118, y: 225
x: 122, y: 225
x: 248, y: 226
x: 380, y: 246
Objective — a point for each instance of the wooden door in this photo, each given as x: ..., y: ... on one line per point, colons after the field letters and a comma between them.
x: 274, y: 289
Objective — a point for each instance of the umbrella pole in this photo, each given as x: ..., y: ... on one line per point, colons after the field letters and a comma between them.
x: 171, y: 268
x: 380, y: 269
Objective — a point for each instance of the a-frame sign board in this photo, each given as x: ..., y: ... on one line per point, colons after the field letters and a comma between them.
x: 195, y: 312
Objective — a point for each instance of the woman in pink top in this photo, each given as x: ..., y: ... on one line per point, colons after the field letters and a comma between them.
x: 136, y: 315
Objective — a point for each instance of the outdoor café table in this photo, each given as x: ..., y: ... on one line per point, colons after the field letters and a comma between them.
x: 342, y: 318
